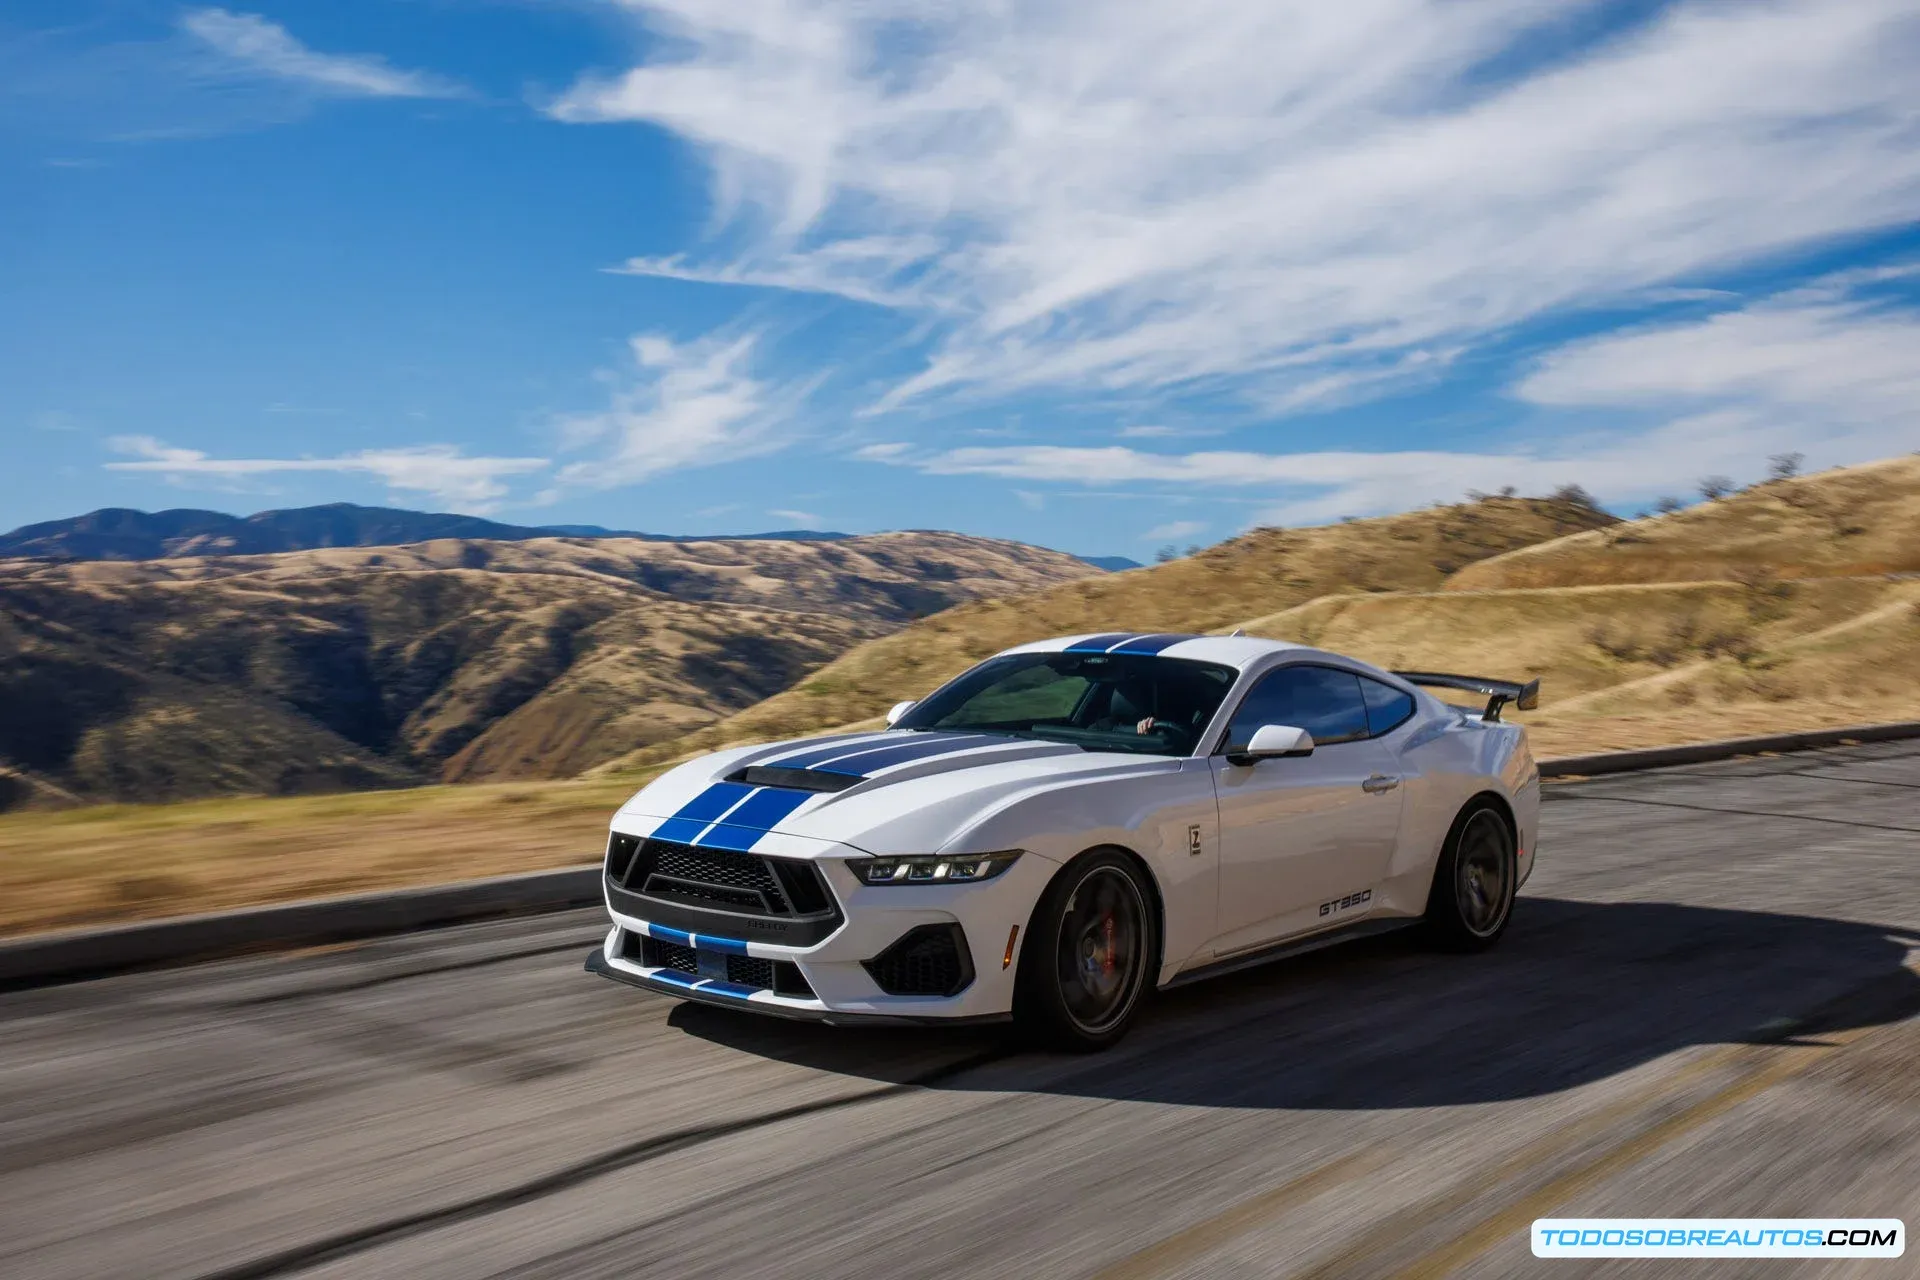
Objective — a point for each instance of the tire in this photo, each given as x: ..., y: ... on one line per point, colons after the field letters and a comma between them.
x: 1089, y: 957
x: 1474, y: 882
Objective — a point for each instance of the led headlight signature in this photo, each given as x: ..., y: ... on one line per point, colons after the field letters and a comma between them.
x: 932, y: 868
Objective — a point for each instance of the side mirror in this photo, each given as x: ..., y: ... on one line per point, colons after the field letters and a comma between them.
x: 899, y: 709
x: 1270, y: 741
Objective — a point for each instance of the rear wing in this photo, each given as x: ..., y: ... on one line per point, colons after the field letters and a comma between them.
x: 1499, y: 692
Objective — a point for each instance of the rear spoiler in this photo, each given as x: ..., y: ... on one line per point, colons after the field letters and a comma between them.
x: 1499, y: 692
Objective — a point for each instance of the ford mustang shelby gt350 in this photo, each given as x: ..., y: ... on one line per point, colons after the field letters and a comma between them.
x: 1069, y: 825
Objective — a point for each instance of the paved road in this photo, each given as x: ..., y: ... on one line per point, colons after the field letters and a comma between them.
x: 1707, y: 1005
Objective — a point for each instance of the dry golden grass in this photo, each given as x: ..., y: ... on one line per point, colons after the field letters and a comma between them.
x: 1851, y: 520
x: 115, y: 863
x: 1638, y: 666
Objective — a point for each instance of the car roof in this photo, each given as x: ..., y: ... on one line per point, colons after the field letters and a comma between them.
x: 1231, y: 651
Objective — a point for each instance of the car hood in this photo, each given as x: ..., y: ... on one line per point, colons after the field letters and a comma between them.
x: 899, y: 791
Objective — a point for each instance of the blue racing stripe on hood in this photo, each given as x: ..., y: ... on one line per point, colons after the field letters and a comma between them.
x: 1098, y: 644
x: 745, y: 825
x: 864, y: 764
x: 1149, y: 645
x: 697, y: 814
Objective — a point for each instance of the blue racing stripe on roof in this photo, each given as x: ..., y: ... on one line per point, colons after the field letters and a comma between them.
x: 1148, y: 645
x: 1099, y: 644
x: 753, y: 819
x: 802, y: 759
x: 864, y: 764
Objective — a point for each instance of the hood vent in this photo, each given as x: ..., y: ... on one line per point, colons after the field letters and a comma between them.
x: 760, y: 775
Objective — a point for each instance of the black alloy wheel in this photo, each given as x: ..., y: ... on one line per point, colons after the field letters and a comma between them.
x: 1475, y: 881
x: 1089, y: 955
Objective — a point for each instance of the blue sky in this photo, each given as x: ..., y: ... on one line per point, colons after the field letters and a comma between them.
x: 723, y: 265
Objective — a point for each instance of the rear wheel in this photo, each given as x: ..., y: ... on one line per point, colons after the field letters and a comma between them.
x: 1088, y: 955
x: 1474, y: 882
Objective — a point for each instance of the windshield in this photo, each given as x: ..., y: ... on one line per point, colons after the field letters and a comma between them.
x: 1099, y: 701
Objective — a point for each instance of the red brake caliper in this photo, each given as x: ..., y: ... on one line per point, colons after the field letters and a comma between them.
x: 1106, y: 961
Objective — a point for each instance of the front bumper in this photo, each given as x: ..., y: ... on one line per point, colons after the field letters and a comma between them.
x: 870, y: 920
x: 795, y: 1010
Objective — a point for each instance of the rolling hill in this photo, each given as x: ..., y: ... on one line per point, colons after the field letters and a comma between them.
x: 1778, y: 607
x: 1851, y: 520
x: 452, y: 659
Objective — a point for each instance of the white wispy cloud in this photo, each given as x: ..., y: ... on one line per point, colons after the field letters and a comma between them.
x: 442, y: 472
x: 1173, y: 530
x: 270, y: 49
x: 1826, y: 369
x: 679, y: 405
x: 1303, y: 203
x: 801, y: 519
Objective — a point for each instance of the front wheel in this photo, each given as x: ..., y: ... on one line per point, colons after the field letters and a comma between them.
x: 1474, y: 882
x: 1088, y: 956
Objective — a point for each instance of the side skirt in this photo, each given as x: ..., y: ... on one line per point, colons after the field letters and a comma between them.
x: 1290, y: 947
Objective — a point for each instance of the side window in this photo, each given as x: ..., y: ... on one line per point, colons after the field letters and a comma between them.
x: 1323, y: 701
x: 1387, y: 707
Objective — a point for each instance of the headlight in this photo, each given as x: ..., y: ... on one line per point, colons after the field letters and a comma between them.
x: 932, y: 868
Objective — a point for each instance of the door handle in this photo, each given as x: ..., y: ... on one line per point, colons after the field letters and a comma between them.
x: 1379, y: 783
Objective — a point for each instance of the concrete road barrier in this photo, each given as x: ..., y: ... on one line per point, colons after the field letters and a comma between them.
x: 1725, y: 749
x: 92, y: 953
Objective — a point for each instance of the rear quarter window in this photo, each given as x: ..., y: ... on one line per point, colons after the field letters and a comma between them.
x: 1387, y: 707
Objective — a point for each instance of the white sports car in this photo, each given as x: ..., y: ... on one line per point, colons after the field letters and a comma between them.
x: 1069, y: 824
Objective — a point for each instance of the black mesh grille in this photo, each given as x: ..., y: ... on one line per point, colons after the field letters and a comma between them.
x: 718, y: 879
x: 750, y: 971
x: 928, y: 960
x: 668, y: 955
x: 719, y: 867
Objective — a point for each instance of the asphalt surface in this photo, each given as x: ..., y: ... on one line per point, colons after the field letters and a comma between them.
x: 1708, y: 1004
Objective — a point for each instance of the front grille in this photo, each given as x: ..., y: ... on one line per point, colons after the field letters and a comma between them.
x: 927, y: 960
x: 712, y: 866
x: 741, y: 882
x: 720, y: 892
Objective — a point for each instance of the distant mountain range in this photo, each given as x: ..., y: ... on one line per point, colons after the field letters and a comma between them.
x: 120, y: 533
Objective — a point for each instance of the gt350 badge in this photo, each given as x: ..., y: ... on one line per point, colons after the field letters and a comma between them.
x: 1347, y: 903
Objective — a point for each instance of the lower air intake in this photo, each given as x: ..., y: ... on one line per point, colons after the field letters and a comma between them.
x: 927, y: 960
x: 782, y: 977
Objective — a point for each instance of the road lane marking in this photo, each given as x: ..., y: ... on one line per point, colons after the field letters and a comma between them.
x: 1514, y: 1220
x: 1205, y: 1236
